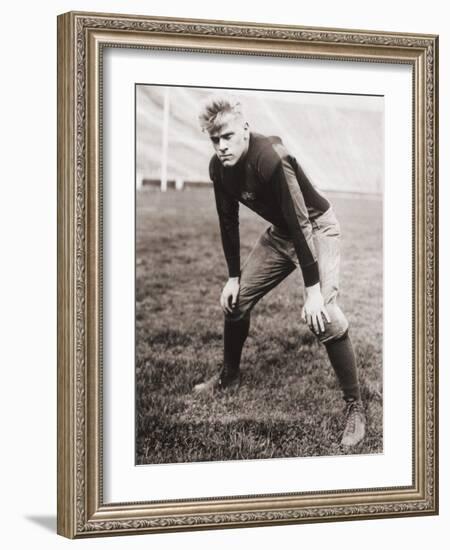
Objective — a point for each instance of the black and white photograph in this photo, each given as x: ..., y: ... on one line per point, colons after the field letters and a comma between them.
x: 259, y: 274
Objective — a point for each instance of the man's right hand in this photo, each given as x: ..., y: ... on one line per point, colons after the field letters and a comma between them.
x: 230, y: 295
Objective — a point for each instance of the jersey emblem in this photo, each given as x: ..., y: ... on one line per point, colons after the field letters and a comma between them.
x: 248, y: 196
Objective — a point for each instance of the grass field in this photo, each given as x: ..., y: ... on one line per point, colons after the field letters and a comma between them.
x: 289, y: 404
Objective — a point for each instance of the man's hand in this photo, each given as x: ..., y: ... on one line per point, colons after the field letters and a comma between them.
x: 314, y: 309
x: 230, y: 294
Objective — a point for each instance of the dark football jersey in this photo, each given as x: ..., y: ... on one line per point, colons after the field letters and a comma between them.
x: 269, y: 181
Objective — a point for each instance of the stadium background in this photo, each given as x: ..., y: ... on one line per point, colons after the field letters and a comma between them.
x: 337, y: 138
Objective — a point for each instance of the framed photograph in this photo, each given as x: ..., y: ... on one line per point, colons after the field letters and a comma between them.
x: 247, y: 274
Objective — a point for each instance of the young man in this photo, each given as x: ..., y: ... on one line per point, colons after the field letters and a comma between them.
x: 259, y: 172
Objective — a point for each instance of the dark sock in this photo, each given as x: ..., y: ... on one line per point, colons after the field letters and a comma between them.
x: 343, y: 360
x: 235, y: 334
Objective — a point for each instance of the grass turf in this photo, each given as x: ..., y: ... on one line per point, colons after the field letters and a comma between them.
x: 289, y: 404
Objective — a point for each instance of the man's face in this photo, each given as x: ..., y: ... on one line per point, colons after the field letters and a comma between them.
x: 230, y: 141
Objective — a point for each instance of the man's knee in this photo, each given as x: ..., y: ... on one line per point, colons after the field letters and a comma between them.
x: 243, y: 307
x: 337, y: 328
x: 238, y: 313
x: 334, y: 336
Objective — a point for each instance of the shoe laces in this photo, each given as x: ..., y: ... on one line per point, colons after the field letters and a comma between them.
x: 225, y: 372
x: 352, y: 409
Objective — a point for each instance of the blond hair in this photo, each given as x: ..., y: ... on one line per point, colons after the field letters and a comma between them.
x: 216, y: 108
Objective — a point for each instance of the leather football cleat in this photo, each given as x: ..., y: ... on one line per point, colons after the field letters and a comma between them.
x: 355, y: 428
x: 227, y: 379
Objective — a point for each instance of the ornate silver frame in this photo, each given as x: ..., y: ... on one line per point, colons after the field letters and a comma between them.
x: 81, y: 37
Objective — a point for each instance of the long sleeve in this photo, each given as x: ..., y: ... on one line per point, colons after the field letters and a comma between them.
x: 295, y: 212
x: 228, y: 211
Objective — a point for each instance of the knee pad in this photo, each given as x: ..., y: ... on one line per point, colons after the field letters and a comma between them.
x: 338, y: 327
x: 337, y: 338
x: 334, y: 331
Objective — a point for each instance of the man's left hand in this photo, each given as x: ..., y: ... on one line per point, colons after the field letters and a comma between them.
x: 314, y: 311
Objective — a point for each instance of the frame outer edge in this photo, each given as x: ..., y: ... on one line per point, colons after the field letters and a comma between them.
x: 162, y: 19
x: 75, y: 238
x: 435, y: 329
x: 66, y: 524
x: 436, y: 165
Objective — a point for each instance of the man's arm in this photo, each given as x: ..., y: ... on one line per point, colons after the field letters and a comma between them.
x: 228, y: 212
x: 295, y: 212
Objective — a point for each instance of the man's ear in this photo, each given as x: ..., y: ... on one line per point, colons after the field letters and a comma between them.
x: 246, y: 127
